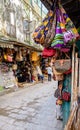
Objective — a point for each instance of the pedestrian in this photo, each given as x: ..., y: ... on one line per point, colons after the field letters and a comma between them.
x: 58, y: 95
x: 50, y: 73
x: 39, y: 74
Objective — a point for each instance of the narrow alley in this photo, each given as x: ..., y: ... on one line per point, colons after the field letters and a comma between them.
x: 31, y: 108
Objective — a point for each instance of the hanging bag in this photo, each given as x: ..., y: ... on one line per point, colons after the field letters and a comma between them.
x: 63, y: 65
x: 40, y: 32
x: 69, y: 31
x: 47, y: 52
x: 9, y: 58
x: 58, y: 40
x: 66, y: 96
x: 50, y: 34
x: 19, y: 56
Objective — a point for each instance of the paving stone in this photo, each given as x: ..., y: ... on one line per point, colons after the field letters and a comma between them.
x: 19, y: 123
x: 15, y: 110
x: 31, y: 108
x: 23, y: 112
x: 7, y: 127
x: 2, y: 123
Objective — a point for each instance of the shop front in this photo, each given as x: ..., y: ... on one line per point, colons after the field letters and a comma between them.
x: 16, y: 66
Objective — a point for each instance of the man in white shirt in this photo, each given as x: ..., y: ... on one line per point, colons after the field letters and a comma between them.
x: 49, y: 71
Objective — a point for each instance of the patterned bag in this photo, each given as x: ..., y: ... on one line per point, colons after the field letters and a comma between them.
x: 50, y: 34
x: 66, y: 96
x: 67, y: 26
x: 58, y: 40
x: 40, y: 33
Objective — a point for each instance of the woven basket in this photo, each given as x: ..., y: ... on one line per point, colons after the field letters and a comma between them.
x: 62, y: 65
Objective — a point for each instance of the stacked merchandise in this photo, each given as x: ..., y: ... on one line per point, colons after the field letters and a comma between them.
x: 23, y: 72
x: 7, y: 78
x: 24, y: 68
x: 15, y: 66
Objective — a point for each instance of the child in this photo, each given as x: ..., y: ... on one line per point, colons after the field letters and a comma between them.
x: 58, y: 95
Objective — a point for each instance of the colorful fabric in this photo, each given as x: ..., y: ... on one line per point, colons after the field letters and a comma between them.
x: 51, y: 33
x: 56, y: 30
x: 35, y: 56
x: 48, y: 52
x: 70, y: 30
x: 58, y: 40
x: 40, y: 32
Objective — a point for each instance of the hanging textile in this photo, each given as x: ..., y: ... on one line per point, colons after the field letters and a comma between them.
x: 68, y: 23
x: 48, y: 52
x: 34, y: 56
x: 19, y: 56
x: 50, y: 34
x: 56, y: 30
x: 66, y: 32
x: 69, y: 31
x: 58, y: 40
x: 41, y: 31
x: 66, y: 105
x: 46, y: 31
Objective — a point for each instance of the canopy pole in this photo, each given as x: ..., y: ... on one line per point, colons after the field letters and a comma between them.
x: 73, y: 74
x: 76, y: 79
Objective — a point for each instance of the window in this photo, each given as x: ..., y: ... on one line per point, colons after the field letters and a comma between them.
x: 39, y: 3
x: 12, y: 19
x: 25, y: 25
x: 44, y: 9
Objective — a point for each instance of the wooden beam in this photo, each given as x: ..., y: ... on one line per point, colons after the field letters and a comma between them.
x: 64, y: 2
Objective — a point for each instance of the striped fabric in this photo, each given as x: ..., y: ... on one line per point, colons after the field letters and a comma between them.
x: 58, y: 40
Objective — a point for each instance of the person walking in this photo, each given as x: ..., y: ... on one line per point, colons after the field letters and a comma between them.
x: 39, y: 74
x: 49, y: 71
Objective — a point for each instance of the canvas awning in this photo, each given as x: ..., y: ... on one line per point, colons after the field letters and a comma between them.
x: 6, y: 45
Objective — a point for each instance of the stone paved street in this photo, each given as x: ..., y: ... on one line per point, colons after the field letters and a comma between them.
x: 31, y: 108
